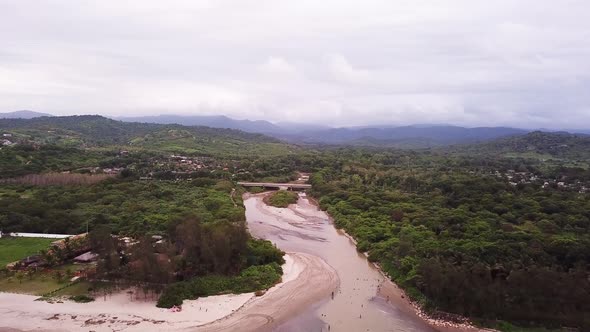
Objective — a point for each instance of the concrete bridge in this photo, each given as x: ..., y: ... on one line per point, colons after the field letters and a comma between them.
x: 280, y: 186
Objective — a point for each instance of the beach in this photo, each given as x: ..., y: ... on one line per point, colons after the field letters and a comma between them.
x: 123, y: 312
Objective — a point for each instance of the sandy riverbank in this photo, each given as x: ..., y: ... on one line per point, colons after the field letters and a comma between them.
x: 121, y: 313
x: 302, y: 227
x: 392, y: 293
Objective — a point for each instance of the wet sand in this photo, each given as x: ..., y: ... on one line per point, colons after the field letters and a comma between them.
x: 365, y: 299
x: 314, y: 283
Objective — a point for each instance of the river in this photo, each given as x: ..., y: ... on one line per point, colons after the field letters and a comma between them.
x: 359, y: 302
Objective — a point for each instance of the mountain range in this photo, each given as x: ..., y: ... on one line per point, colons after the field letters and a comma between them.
x: 415, y: 136
x: 22, y: 115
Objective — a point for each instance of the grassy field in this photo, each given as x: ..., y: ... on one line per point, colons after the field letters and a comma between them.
x: 45, y: 281
x: 13, y: 249
x: 80, y: 288
x: 35, y: 284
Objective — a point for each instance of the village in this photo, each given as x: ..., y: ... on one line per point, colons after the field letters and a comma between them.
x: 515, y: 178
x: 61, y: 266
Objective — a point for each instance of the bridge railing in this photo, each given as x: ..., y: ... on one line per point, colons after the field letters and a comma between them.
x: 275, y: 185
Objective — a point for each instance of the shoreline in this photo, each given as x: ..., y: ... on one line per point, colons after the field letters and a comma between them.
x: 391, y: 290
x: 19, y: 312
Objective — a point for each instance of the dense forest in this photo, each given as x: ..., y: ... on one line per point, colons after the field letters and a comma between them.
x: 127, y: 206
x: 463, y: 242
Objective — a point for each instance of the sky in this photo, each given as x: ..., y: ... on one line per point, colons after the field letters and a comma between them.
x: 520, y: 63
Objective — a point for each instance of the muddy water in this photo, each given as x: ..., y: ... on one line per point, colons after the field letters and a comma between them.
x: 355, y: 305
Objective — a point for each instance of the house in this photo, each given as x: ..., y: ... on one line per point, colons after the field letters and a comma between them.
x: 32, y: 261
x: 86, y: 257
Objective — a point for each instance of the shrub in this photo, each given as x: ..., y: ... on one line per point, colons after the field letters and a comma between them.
x: 252, y: 279
x: 282, y: 198
x: 82, y: 298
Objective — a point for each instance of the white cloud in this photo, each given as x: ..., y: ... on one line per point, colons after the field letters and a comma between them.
x: 343, y: 70
x: 278, y: 65
x: 470, y: 62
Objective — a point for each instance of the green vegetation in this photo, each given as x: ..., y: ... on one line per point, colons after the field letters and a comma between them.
x: 96, y: 132
x: 26, y: 159
x: 551, y: 149
x: 498, y: 231
x: 15, y: 248
x: 462, y: 240
x: 127, y: 207
x: 81, y: 298
x: 282, y: 198
x: 35, y: 283
x: 255, y: 190
x: 81, y: 288
x: 252, y: 279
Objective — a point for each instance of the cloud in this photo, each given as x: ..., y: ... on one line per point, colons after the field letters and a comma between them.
x: 519, y: 63
x: 278, y: 65
x: 343, y: 70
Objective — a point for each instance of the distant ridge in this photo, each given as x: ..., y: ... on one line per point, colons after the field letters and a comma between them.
x: 536, y: 144
x: 24, y: 114
x: 410, y: 136
x: 415, y: 136
x: 406, y: 136
x: 214, y: 121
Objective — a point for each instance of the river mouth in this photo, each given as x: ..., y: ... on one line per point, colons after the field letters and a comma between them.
x: 360, y: 302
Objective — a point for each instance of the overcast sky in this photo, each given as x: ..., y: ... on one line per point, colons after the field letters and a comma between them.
x: 523, y: 63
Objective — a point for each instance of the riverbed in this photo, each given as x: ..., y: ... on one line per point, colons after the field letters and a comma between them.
x: 359, y: 301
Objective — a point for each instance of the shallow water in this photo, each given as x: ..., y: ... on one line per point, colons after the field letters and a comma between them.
x: 355, y: 305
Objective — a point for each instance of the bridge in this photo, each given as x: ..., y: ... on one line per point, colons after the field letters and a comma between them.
x: 280, y: 186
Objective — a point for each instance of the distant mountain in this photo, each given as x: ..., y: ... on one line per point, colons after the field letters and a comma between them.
x: 414, y: 136
x: 556, y: 144
x: 215, y: 121
x: 579, y: 131
x: 536, y: 144
x: 297, y: 127
x: 22, y: 115
x: 406, y: 136
x: 417, y: 136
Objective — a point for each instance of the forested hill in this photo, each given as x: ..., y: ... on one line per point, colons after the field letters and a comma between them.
x: 537, y: 144
x: 404, y: 137
x: 97, y: 131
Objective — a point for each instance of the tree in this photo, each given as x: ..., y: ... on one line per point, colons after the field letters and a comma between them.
x: 20, y: 276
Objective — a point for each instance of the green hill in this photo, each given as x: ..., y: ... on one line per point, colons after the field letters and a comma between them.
x: 558, y: 145
x: 550, y: 148
x: 93, y: 131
